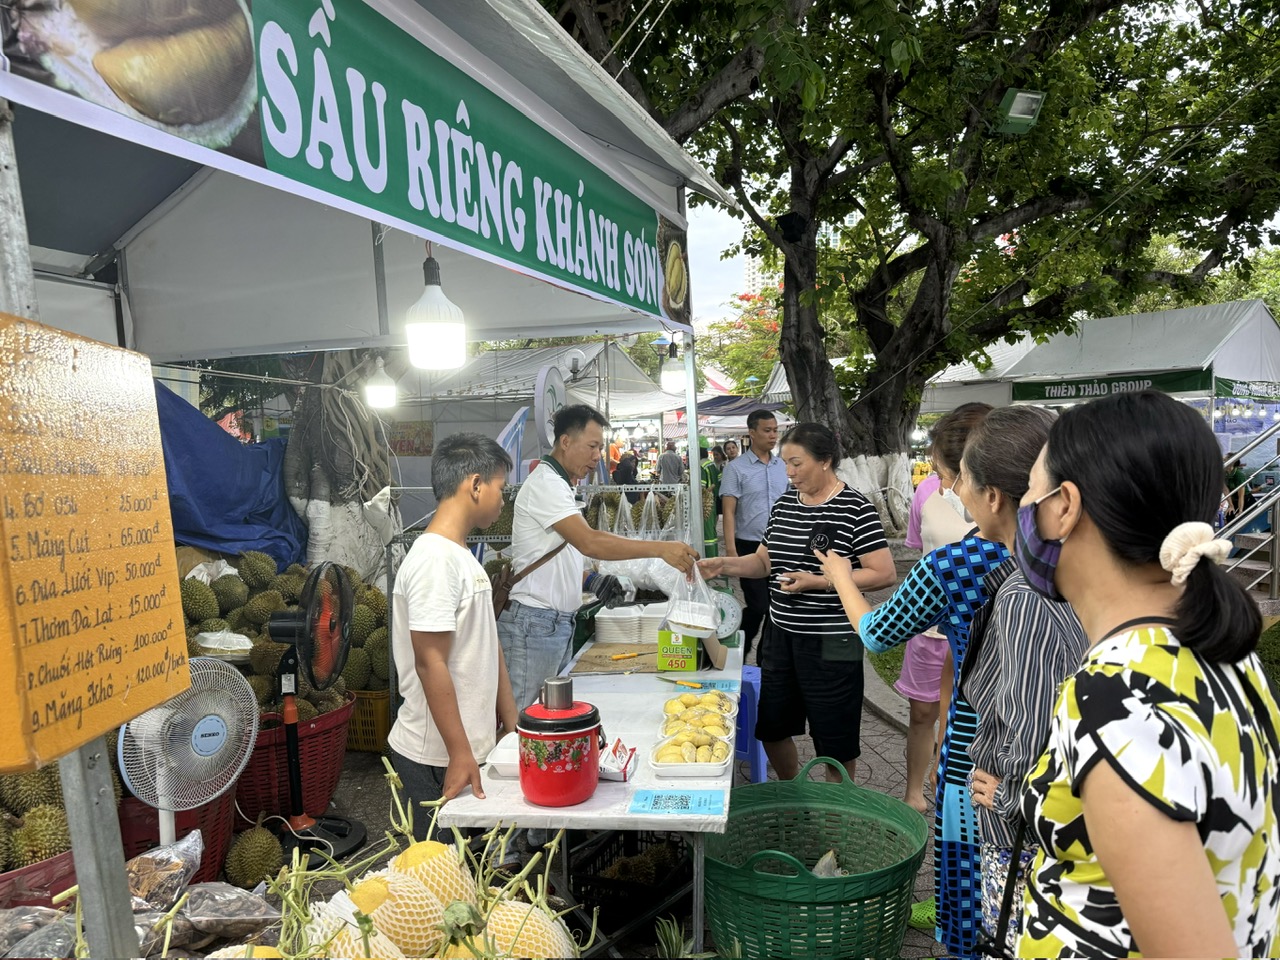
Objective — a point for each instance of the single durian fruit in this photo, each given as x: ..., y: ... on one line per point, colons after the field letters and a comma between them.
x: 6, y: 845
x: 296, y: 570
x: 363, y: 623
x: 264, y: 658
x: 199, y: 602
x: 254, y: 855
x: 306, y: 710
x: 235, y: 619
x: 287, y: 586
x: 378, y: 651
x: 256, y: 569
x: 356, y: 673
x: 378, y: 636
x: 339, y: 686
x: 216, y: 625
x: 264, y: 688
x: 231, y: 592
x: 326, y: 701
x: 260, y: 608
x: 376, y: 601
x: 19, y: 792
x: 43, y: 834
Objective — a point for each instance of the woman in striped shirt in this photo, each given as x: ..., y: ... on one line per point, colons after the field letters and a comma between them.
x: 810, y: 659
x: 1021, y: 647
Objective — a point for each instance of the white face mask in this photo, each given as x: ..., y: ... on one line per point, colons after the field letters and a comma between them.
x: 954, y: 502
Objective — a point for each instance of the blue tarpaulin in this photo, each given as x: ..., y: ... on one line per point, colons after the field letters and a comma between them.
x: 224, y: 495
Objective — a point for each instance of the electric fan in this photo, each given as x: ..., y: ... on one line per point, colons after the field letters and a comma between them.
x: 192, y: 747
x: 319, y: 637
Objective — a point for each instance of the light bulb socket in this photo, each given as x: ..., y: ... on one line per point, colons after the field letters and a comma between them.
x: 431, y: 272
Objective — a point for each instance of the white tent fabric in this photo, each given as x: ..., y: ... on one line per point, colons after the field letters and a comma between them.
x: 1239, y: 340
x: 966, y: 383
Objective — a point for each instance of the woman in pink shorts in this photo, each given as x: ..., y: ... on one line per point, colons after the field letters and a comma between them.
x: 937, y: 518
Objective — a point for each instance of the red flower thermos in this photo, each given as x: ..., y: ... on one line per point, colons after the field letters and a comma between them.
x: 560, y: 743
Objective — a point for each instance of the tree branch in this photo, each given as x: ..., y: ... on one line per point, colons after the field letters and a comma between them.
x: 856, y: 172
x: 733, y: 178
x: 595, y: 41
x: 732, y: 83
x: 1029, y: 212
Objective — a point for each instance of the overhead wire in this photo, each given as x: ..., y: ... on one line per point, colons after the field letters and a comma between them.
x: 656, y: 20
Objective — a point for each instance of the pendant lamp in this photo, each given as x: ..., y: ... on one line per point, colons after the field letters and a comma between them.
x: 380, y: 389
x: 434, y: 326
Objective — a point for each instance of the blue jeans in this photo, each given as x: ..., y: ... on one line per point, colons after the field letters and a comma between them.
x: 535, y: 643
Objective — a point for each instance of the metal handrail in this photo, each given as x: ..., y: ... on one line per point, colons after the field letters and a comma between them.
x: 1269, y: 503
x: 1235, y: 458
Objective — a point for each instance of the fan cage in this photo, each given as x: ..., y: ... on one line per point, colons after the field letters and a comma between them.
x: 158, y: 760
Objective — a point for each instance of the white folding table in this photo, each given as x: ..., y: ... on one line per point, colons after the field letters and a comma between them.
x: 630, y: 707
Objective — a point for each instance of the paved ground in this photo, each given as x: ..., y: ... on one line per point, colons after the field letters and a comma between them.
x: 362, y: 792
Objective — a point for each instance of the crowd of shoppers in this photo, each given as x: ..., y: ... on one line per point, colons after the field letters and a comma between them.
x: 1108, y: 759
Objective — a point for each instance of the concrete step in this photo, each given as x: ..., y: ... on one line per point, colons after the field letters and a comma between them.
x: 1245, y: 542
x: 1246, y: 571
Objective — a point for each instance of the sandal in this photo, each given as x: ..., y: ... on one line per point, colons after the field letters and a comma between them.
x: 924, y: 915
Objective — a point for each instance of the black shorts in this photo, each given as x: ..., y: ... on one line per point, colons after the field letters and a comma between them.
x: 802, y: 679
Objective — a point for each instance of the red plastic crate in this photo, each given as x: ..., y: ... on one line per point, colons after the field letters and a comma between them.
x: 36, y: 885
x: 140, y: 830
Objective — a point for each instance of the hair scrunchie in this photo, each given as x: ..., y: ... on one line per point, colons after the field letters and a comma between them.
x: 1186, y: 545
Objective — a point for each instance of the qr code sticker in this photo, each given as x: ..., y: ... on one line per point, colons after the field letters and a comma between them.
x: 667, y: 802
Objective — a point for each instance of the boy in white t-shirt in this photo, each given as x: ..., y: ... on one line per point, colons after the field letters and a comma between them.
x: 457, y: 695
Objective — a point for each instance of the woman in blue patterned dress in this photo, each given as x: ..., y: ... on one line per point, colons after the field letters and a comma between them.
x: 944, y: 589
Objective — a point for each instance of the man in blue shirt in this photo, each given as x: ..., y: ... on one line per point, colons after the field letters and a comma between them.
x: 751, y: 485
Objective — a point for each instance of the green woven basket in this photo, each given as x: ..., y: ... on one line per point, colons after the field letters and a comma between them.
x: 761, y: 894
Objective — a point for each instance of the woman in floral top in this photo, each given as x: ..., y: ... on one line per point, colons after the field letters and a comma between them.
x: 1155, y: 802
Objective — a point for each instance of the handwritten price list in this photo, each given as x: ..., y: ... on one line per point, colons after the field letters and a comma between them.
x: 87, y: 563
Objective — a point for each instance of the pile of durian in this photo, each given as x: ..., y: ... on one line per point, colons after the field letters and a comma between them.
x: 33, y: 823
x: 243, y: 603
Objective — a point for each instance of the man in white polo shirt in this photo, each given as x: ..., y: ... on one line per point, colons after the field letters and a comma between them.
x: 536, y: 629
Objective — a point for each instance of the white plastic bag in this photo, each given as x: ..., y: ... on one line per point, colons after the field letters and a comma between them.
x: 691, y: 611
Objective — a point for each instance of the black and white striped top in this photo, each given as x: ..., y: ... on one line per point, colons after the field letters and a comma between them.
x: 847, y: 524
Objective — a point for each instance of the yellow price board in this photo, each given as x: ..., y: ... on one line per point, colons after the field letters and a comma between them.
x: 88, y: 575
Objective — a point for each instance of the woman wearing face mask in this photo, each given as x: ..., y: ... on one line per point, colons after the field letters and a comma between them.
x: 944, y: 589
x: 1021, y: 646
x: 937, y: 517
x: 1155, y: 801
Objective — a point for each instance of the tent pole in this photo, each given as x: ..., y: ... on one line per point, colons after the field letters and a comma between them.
x: 695, y: 451
x: 86, y: 776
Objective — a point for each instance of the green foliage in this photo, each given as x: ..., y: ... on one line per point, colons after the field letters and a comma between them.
x: 880, y: 121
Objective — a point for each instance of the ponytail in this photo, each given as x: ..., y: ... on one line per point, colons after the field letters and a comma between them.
x: 1113, y: 449
x: 1216, y: 617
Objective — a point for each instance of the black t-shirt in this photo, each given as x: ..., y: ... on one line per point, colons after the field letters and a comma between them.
x: 847, y: 524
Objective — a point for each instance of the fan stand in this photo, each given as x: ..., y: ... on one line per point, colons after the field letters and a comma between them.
x: 333, y: 835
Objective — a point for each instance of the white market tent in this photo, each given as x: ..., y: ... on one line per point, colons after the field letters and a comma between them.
x: 497, y: 385
x: 968, y: 383
x: 219, y: 256
x: 1222, y: 349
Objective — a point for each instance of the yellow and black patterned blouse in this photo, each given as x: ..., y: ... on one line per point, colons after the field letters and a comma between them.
x: 1195, y: 739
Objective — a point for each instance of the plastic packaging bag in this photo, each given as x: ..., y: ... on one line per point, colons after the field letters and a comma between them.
x: 227, y: 911
x: 650, y: 524
x: 691, y: 611
x: 224, y: 643
x: 53, y: 940
x: 150, y: 928
x: 18, y: 923
x: 159, y: 876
